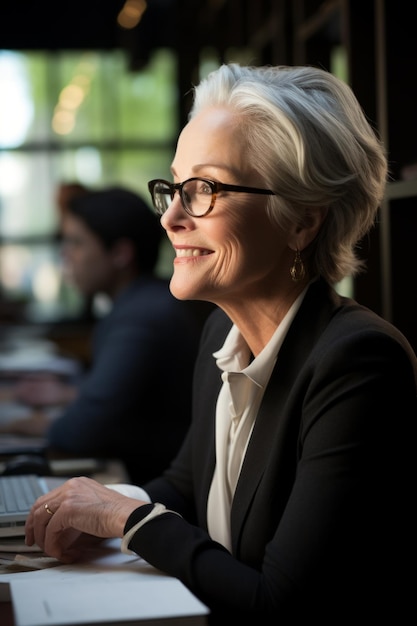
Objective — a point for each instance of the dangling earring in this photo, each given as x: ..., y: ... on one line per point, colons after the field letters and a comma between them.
x: 297, y: 270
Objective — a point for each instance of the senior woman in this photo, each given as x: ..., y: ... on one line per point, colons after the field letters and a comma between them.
x: 292, y: 494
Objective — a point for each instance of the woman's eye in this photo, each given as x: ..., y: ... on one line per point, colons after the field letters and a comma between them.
x: 205, y: 188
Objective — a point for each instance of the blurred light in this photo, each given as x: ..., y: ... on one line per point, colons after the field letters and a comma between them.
x: 16, y: 106
x: 131, y: 13
x: 63, y: 122
x: 46, y: 283
x: 81, y: 80
x: 13, y: 175
x: 14, y: 261
x: 88, y: 165
x: 72, y: 96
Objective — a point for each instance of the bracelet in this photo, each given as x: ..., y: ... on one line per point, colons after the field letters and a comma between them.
x: 158, y: 509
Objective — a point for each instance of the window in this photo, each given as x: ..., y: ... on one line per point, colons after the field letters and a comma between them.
x: 67, y: 116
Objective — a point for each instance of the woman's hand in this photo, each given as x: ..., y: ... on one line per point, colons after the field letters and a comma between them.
x: 65, y: 520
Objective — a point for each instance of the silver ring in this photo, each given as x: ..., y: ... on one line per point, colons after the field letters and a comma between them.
x: 48, y: 510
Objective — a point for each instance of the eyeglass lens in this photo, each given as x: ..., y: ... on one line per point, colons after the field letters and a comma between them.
x: 196, y: 196
x: 162, y: 197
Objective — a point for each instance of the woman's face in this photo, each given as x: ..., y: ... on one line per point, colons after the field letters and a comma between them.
x: 234, y: 253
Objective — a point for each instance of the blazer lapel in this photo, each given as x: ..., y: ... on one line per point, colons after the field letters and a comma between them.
x: 264, y: 438
x: 276, y: 419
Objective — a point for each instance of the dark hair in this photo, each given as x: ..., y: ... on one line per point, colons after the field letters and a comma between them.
x: 116, y: 213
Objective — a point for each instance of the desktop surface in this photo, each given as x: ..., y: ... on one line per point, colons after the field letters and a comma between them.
x: 106, y: 586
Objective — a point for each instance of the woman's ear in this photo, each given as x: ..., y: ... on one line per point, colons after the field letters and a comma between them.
x: 303, y: 234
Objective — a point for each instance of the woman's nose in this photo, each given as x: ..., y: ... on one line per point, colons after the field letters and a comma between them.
x: 175, y: 215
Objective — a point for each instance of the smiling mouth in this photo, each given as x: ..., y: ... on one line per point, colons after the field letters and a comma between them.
x: 191, y: 252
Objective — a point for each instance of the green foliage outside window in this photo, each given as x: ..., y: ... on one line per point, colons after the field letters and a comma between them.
x: 73, y: 116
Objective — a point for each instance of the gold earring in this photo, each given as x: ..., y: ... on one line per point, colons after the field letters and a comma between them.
x: 297, y: 270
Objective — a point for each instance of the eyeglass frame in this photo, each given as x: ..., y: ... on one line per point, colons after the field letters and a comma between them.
x: 215, y: 188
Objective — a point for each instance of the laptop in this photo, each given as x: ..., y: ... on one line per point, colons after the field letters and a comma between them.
x: 17, y: 494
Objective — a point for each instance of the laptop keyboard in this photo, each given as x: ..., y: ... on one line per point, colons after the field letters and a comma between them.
x: 18, y: 493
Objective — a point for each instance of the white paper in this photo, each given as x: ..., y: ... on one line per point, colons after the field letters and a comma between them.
x: 107, y: 587
x: 130, y: 601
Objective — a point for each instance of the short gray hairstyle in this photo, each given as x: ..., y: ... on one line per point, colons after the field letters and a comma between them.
x: 309, y: 139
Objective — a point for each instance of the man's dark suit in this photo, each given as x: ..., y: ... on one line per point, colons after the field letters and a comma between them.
x: 134, y: 403
x: 321, y: 518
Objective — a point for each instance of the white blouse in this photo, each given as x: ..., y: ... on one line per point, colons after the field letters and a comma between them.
x: 243, y: 387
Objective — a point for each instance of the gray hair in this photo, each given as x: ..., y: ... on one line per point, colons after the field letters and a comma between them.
x: 310, y: 141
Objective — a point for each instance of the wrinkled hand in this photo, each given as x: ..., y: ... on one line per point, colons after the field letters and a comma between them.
x: 83, y: 511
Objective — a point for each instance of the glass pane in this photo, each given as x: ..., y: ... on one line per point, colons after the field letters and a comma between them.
x: 83, y: 111
x: 136, y: 168
x: 24, y: 105
x: 149, y: 100
x: 26, y: 196
x: 32, y: 275
x: 83, y: 164
x: 99, y: 99
x: 72, y: 116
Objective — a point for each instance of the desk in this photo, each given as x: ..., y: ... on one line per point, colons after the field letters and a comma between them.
x: 36, y: 384
x: 121, y: 589
x: 46, y: 589
x: 119, y: 573
x: 104, y: 471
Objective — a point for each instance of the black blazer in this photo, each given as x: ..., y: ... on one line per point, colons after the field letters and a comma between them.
x: 322, y: 514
